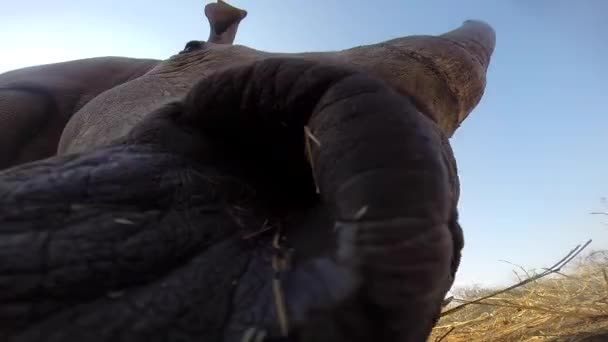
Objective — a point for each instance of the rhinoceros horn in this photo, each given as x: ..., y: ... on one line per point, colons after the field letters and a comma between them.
x: 445, y: 74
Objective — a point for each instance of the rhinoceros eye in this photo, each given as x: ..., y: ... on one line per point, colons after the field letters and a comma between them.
x: 192, y: 45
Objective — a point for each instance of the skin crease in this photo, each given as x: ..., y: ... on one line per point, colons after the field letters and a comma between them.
x: 178, y: 254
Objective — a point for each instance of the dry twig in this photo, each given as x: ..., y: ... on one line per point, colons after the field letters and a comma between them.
x: 553, y: 269
x: 442, y: 337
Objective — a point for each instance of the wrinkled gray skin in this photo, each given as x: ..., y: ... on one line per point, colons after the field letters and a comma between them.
x: 37, y: 102
x: 180, y: 251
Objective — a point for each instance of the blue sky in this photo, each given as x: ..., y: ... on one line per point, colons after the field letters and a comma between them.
x: 532, y: 155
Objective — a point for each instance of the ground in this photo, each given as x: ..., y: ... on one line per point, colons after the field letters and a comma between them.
x: 566, y: 306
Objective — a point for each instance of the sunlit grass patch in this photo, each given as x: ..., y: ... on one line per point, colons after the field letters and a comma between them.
x: 563, y: 303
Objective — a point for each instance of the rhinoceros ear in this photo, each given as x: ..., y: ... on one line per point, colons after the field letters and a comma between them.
x: 224, y: 21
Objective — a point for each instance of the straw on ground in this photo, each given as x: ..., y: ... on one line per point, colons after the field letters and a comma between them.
x: 565, y: 302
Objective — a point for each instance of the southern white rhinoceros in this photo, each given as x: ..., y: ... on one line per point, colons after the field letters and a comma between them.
x: 230, y: 194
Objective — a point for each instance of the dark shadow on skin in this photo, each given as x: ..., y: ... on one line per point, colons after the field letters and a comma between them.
x: 32, y: 134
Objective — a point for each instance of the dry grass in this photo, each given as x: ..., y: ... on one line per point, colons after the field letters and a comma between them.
x: 563, y: 303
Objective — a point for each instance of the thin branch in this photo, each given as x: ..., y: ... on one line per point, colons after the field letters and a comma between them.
x: 518, y: 266
x: 557, y: 267
x: 308, y: 136
x: 508, y: 304
x: 562, y: 274
x: 605, y: 277
x: 445, y: 335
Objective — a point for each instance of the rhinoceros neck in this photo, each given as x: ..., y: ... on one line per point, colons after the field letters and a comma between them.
x: 112, y: 114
